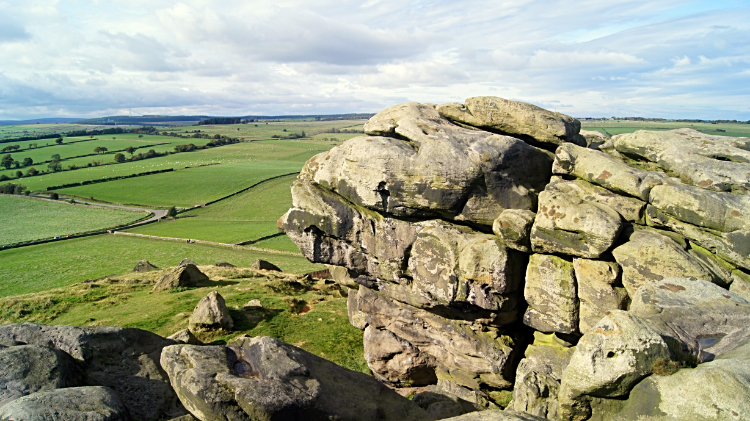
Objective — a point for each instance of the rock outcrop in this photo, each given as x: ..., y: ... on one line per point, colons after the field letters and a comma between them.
x: 459, y: 237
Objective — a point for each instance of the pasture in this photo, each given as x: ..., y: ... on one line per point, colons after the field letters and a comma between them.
x: 248, y: 216
x: 25, y: 219
x: 20, y: 130
x: 614, y: 127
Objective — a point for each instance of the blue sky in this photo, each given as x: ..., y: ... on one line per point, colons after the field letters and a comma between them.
x: 671, y: 59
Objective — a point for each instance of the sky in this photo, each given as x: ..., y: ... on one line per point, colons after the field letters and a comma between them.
x: 587, y: 58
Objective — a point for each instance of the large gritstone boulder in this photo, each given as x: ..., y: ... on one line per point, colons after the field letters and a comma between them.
x: 92, y: 403
x: 264, y: 379
x: 30, y: 368
x: 124, y: 360
x: 551, y: 294
x: 515, y: 118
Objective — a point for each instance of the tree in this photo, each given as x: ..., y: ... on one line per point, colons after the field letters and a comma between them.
x: 130, y: 150
x: 27, y: 161
x: 6, y: 161
x: 172, y: 212
x: 54, y: 196
x: 32, y: 171
x: 54, y: 166
x: 119, y: 157
x: 56, y: 157
x: 19, y: 174
x: 100, y: 149
x: 140, y: 135
x: 59, y: 141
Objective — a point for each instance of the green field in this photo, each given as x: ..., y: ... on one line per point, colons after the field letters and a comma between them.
x: 613, y: 127
x: 245, y: 217
x: 24, y: 219
x: 41, y: 267
x: 264, y: 130
x: 20, y: 130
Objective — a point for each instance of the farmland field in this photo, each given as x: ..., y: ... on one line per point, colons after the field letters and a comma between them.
x: 25, y: 219
x: 12, y: 131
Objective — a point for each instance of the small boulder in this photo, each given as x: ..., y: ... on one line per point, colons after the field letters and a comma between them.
x: 144, y: 266
x: 210, y: 314
x: 91, y: 403
x: 261, y: 264
x: 185, y: 336
x: 187, y: 275
x: 253, y: 305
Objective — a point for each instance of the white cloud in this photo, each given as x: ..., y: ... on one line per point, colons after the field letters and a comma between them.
x: 623, y: 57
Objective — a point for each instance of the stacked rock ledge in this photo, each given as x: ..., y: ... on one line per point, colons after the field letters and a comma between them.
x: 477, y: 258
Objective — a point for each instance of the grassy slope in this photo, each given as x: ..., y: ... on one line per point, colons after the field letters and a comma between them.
x: 313, y: 317
x: 24, y: 219
x: 247, y: 216
x: 52, y: 265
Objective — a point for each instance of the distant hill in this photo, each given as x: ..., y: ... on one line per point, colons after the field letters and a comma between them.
x: 163, y: 120
x: 39, y: 121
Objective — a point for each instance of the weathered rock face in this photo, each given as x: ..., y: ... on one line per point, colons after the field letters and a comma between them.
x: 265, y: 265
x: 184, y: 275
x: 124, y: 360
x: 211, y: 313
x: 404, y: 218
x: 262, y: 378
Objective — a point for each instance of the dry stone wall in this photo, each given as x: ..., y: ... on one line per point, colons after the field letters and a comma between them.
x: 479, y: 260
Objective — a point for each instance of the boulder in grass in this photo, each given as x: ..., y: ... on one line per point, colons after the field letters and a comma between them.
x: 262, y: 378
x: 261, y: 264
x: 144, y: 266
x: 210, y: 314
x: 91, y: 403
x: 187, y: 275
x: 225, y: 265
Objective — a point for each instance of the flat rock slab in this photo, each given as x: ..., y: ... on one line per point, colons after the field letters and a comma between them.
x: 551, y: 293
x: 496, y: 416
x: 91, y: 403
x: 263, y: 378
